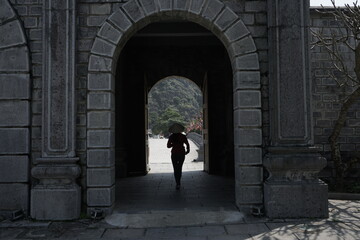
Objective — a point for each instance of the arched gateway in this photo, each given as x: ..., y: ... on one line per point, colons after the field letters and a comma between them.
x: 271, y: 134
x: 230, y: 29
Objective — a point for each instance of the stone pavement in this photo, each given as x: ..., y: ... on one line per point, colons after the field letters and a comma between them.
x: 343, y: 224
x: 149, y: 207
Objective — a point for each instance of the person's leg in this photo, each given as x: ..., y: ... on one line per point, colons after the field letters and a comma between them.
x: 180, y: 165
x: 177, y: 161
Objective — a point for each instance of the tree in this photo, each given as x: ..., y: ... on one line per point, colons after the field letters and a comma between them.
x: 168, y: 117
x: 196, y: 124
x: 347, y: 35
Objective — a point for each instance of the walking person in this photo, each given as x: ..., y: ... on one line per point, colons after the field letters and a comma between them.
x: 176, y: 142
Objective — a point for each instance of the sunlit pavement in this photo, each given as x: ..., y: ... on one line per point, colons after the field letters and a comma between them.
x: 149, y: 207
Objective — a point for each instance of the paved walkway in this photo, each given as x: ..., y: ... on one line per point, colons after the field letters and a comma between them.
x: 149, y: 208
x: 156, y: 191
x: 343, y: 224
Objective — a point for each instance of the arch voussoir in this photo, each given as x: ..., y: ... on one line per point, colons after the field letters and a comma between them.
x: 110, y: 33
x: 149, y: 7
x: 103, y: 48
x: 100, y: 64
x: 212, y: 9
x: 134, y: 11
x: 120, y: 21
x: 181, y: 5
x: 235, y: 32
x: 225, y: 19
x: 246, y: 62
x: 242, y: 46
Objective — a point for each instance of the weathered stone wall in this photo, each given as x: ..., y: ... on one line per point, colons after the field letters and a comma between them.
x: 327, y: 99
x: 91, y: 14
x: 15, y: 111
x: 30, y: 13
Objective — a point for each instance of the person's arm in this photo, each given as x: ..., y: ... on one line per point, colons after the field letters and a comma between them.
x: 187, y: 145
x: 169, y: 143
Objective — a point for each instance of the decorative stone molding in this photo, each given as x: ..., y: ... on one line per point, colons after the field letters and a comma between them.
x: 289, y: 73
x: 59, y: 79
x: 230, y: 29
x: 292, y: 189
x: 56, y: 196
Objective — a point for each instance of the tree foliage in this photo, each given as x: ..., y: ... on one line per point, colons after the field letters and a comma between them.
x: 173, y: 99
x: 346, y: 73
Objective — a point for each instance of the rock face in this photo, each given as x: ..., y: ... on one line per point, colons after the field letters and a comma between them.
x: 74, y: 80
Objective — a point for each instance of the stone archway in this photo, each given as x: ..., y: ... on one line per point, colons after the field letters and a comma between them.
x: 114, y: 33
x: 15, y: 111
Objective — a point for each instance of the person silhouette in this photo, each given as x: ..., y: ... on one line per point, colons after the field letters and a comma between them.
x: 176, y: 142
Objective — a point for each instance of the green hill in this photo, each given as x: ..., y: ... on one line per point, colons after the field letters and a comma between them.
x: 173, y: 99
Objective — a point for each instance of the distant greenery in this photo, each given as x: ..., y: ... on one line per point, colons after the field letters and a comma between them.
x: 173, y: 99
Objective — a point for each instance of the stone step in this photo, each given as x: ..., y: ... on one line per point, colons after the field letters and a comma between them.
x: 173, y: 218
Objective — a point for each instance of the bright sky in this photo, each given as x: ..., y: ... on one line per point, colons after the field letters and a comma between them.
x: 328, y: 2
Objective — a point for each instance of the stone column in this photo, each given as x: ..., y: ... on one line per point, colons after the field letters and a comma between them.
x: 293, y: 189
x: 56, y: 196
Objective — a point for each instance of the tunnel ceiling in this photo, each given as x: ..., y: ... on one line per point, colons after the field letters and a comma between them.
x: 175, y: 48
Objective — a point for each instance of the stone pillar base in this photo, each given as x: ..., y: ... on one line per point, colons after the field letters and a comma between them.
x: 56, y: 203
x: 56, y: 196
x: 296, y: 200
x: 293, y: 188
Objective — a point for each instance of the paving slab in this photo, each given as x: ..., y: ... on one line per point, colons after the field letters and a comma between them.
x: 82, y: 233
x: 275, y: 236
x: 41, y: 233
x: 251, y: 228
x: 231, y: 237
x: 23, y: 224
x: 10, y: 233
x: 123, y: 233
x: 166, y: 232
x: 206, y: 231
x: 173, y: 218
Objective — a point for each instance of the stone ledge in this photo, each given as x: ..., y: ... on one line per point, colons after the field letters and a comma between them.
x: 343, y: 196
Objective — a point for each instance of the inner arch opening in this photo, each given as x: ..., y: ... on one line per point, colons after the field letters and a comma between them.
x: 174, y: 49
x: 174, y: 99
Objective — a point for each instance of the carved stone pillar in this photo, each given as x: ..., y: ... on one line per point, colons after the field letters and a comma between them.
x: 56, y: 196
x: 293, y: 189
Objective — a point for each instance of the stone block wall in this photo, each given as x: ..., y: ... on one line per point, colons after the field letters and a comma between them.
x: 327, y: 98
x: 15, y: 108
x: 91, y: 15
